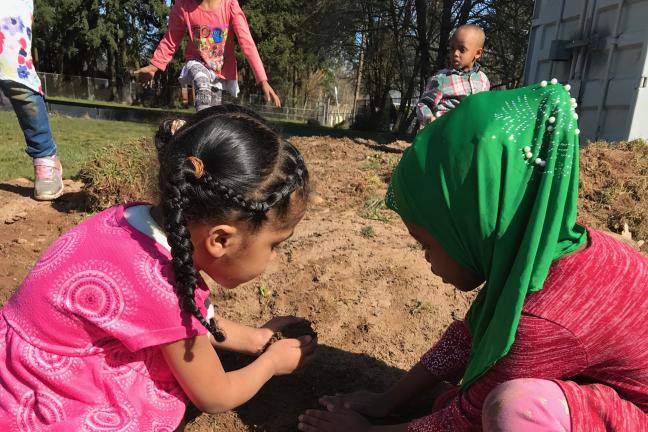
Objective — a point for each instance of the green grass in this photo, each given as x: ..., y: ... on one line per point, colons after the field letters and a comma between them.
x: 77, y: 139
x: 370, y: 165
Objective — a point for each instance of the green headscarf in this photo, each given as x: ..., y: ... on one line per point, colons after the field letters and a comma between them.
x: 495, y: 182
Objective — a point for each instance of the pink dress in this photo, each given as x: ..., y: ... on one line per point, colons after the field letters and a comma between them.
x: 79, y: 338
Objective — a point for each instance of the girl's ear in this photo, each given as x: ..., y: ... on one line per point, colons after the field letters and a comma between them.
x: 221, y: 240
x: 479, y: 52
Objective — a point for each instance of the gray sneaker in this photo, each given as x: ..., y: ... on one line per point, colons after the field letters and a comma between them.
x: 48, y: 178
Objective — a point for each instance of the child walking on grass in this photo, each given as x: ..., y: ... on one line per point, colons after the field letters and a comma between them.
x: 446, y: 89
x: 556, y: 338
x: 211, y: 60
x: 112, y: 329
x: 21, y: 85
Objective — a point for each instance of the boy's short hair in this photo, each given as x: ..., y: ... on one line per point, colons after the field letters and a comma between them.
x: 475, y: 28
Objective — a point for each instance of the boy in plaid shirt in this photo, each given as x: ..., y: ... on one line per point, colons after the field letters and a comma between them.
x: 448, y: 87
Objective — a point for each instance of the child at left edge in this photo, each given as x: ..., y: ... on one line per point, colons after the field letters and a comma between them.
x: 21, y: 85
x: 210, y: 58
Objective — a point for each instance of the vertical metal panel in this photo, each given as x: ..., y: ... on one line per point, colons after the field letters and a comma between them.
x: 609, y: 75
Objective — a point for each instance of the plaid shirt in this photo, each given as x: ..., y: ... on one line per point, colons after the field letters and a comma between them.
x: 445, y: 90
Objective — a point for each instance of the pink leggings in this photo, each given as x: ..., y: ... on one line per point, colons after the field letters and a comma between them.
x: 525, y: 404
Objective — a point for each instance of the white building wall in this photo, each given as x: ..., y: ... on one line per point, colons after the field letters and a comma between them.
x: 607, y: 65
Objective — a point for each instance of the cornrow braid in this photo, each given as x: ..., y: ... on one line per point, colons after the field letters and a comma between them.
x: 291, y: 183
x: 246, y: 169
x: 231, y: 195
x: 297, y: 178
x: 179, y: 238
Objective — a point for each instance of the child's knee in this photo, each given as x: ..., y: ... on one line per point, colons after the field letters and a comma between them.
x: 500, y: 395
x: 525, y: 403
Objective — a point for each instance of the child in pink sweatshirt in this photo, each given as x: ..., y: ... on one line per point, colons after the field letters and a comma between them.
x: 211, y: 61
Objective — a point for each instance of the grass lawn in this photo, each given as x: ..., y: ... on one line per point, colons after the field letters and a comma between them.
x: 77, y: 140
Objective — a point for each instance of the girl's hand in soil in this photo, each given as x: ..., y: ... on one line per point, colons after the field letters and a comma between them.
x: 290, y: 355
x: 339, y: 420
x: 264, y: 334
x: 363, y: 402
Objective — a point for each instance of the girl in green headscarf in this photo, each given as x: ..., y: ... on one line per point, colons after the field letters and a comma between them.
x: 490, y: 191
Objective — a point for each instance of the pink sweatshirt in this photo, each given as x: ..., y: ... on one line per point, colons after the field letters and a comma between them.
x: 209, y: 32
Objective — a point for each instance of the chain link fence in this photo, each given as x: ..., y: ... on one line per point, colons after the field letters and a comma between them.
x: 97, y: 90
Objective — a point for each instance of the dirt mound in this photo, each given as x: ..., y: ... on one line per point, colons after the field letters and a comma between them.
x: 122, y: 172
x: 614, y: 188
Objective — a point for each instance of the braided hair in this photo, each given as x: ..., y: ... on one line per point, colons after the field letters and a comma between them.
x: 248, y: 169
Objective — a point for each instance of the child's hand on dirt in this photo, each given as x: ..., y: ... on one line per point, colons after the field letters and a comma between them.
x: 291, y: 355
x: 263, y: 335
x: 269, y: 93
x: 364, y: 402
x: 146, y: 74
x: 339, y: 420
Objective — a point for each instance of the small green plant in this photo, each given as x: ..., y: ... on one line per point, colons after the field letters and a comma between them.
x: 367, y: 232
x: 420, y: 307
x: 374, y: 181
x: 374, y: 208
x: 264, y: 291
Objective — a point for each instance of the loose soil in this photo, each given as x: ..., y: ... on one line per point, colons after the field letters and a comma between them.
x: 296, y: 330
x: 369, y: 292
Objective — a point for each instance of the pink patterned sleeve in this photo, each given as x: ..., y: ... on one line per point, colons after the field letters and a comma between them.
x: 542, y: 349
x: 151, y: 314
x: 447, y: 359
x: 171, y: 39
x: 244, y: 37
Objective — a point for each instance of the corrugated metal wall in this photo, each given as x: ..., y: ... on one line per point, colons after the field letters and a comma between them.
x: 604, y: 57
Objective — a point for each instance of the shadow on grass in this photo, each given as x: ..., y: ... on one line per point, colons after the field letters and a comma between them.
x: 279, y: 403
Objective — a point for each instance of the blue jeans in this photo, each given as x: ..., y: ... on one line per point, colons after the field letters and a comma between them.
x: 32, y: 116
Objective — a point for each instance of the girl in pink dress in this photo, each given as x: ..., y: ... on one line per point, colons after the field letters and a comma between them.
x: 210, y: 56
x: 113, y: 330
